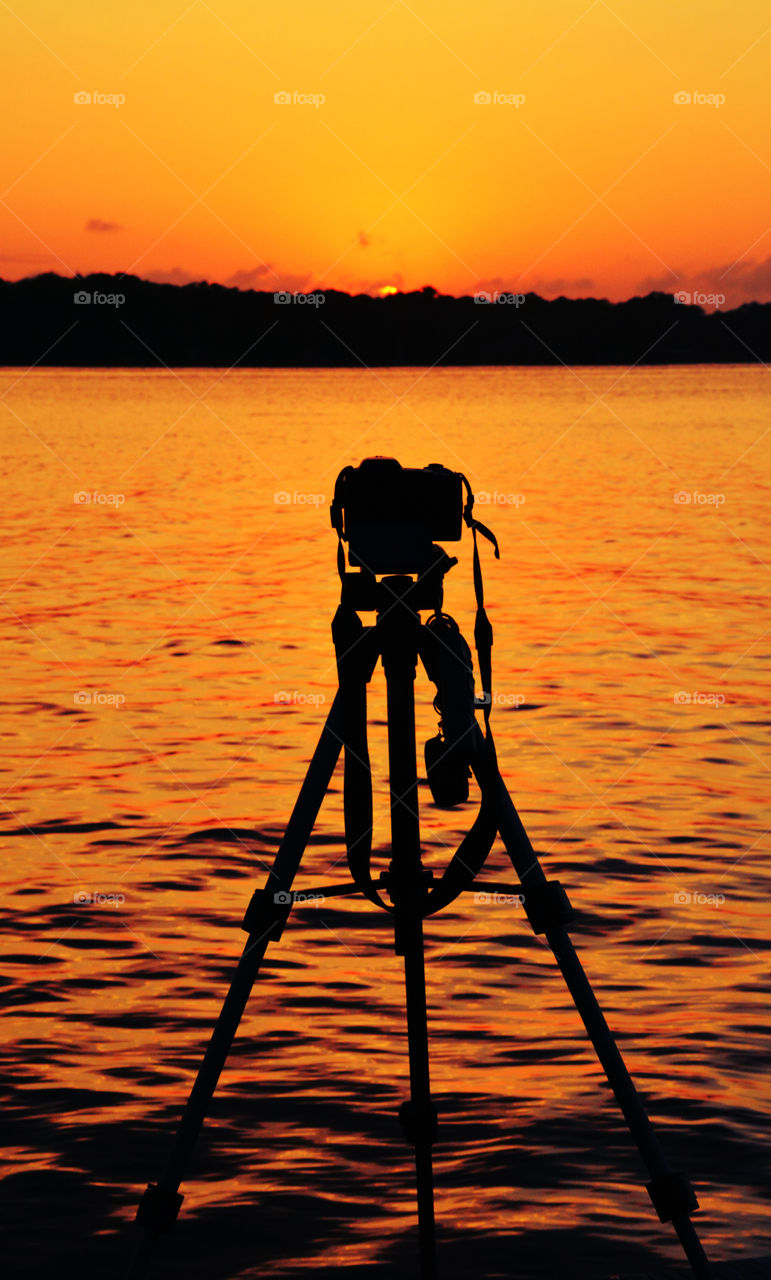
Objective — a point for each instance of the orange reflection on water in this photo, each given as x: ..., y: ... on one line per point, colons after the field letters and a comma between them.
x: 193, y: 619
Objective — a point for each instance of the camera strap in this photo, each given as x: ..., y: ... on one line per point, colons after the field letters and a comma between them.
x: 356, y: 658
x: 483, y: 632
x: 471, y: 854
x: 447, y: 660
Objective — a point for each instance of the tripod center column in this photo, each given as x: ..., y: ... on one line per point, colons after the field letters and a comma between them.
x: 398, y: 626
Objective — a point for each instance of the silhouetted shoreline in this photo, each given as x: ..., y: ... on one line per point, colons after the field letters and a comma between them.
x: 122, y: 321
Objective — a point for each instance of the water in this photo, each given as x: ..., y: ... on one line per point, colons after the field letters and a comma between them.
x: 167, y: 668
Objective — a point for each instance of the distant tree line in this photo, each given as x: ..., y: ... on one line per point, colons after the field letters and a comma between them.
x: 102, y: 320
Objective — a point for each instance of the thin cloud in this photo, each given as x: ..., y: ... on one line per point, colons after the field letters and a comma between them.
x: 99, y: 224
x: 269, y: 278
x: 737, y: 282
x: 172, y: 275
x: 543, y: 286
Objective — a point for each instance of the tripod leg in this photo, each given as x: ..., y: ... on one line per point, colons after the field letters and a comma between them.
x: 672, y: 1196
x: 418, y: 1116
x: 264, y: 921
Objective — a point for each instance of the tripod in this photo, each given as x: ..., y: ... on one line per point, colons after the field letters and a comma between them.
x: 399, y: 638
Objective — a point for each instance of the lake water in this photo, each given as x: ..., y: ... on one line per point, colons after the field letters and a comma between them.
x: 167, y: 668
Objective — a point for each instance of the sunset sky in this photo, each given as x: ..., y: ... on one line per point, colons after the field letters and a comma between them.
x: 582, y: 175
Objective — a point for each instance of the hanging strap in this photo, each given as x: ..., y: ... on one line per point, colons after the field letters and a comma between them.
x: 483, y: 632
x: 471, y: 854
x: 446, y: 658
x: 356, y: 658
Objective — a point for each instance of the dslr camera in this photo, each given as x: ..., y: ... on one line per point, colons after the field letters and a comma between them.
x: 391, y: 515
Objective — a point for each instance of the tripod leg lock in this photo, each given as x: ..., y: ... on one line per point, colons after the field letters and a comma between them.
x: 267, y: 913
x: 158, y: 1208
x: 672, y: 1196
x: 547, y: 906
x: 419, y: 1122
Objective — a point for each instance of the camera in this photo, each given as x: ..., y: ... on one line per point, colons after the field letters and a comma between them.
x: 391, y: 515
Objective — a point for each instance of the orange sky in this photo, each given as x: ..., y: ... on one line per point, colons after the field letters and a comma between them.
x: 592, y: 181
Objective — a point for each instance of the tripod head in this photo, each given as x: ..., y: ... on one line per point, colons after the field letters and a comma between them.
x: 365, y: 593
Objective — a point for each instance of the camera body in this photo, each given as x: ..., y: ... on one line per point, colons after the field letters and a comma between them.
x: 390, y: 515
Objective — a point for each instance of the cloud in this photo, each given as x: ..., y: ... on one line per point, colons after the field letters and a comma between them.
x: 741, y: 282
x: 667, y: 282
x: 544, y: 286
x: 172, y: 275
x: 270, y: 279
x: 363, y: 239
x: 263, y: 277
x: 745, y: 282
x: 99, y: 224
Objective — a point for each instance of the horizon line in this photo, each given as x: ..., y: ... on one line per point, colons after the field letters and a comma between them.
x: 682, y: 297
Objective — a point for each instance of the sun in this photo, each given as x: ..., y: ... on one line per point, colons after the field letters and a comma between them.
x: 386, y: 289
